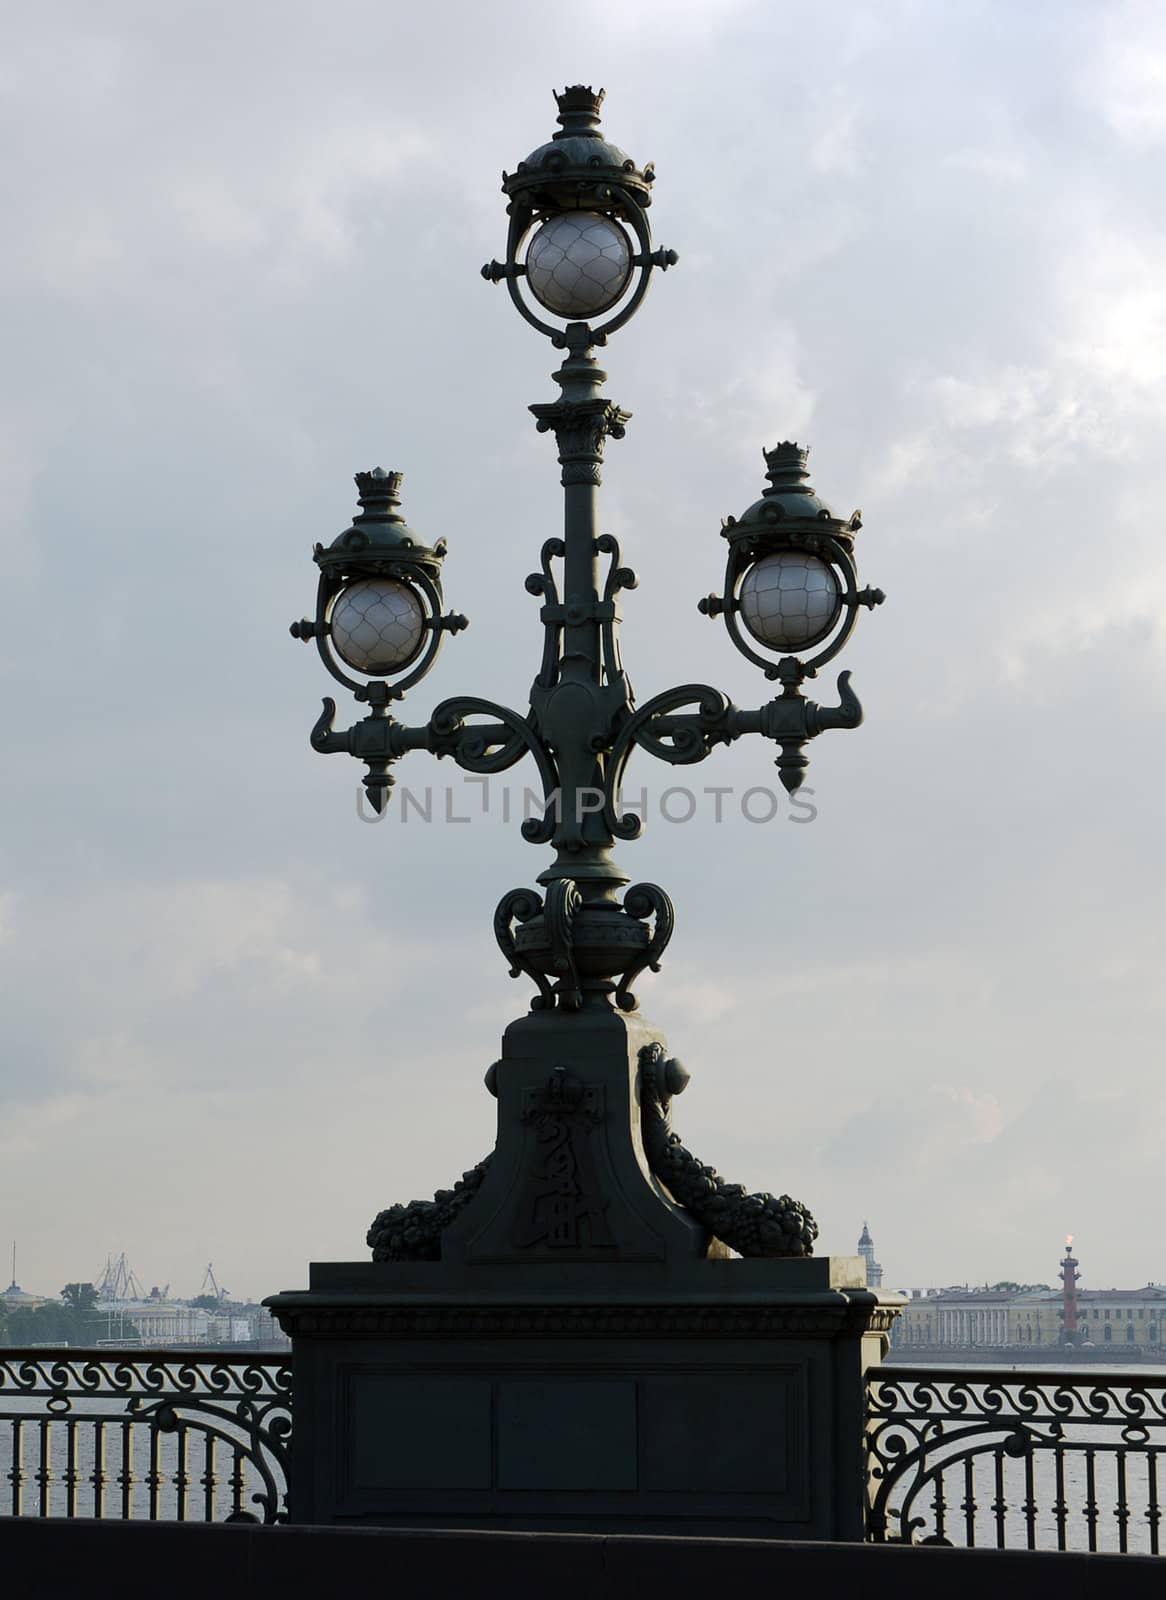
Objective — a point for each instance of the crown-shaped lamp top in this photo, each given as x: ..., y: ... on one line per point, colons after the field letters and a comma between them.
x: 379, y: 533
x: 786, y: 469
x: 578, y: 111
x: 379, y: 493
x: 787, y: 499
x: 578, y: 166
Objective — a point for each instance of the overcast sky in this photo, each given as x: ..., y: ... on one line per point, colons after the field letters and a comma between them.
x: 241, y: 262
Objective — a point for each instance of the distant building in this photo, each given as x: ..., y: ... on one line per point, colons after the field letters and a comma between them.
x: 153, y: 1322
x: 14, y: 1296
x: 1012, y: 1314
x: 250, y: 1325
x: 960, y: 1318
x: 874, y: 1272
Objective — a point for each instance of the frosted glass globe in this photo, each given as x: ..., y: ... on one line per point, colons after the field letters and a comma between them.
x: 377, y: 625
x: 789, y: 600
x: 578, y: 264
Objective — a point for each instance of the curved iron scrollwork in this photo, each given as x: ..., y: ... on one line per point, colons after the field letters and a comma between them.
x: 543, y: 583
x: 618, y: 578
x: 976, y: 1458
x: 120, y: 1431
x: 689, y: 740
x: 644, y: 900
x: 751, y: 1224
x: 521, y: 905
x: 486, y: 751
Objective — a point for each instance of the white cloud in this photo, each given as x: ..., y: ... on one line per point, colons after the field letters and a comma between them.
x: 1126, y: 73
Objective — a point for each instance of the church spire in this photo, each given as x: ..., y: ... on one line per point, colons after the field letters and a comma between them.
x: 874, y: 1271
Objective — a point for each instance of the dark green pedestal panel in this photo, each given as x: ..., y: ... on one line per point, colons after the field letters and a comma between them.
x: 715, y: 1397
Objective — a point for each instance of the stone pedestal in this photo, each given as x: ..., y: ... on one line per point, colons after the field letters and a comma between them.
x: 719, y: 1397
x: 582, y: 1352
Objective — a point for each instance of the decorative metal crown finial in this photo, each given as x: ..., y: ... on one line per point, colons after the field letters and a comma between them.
x: 786, y: 464
x: 379, y: 493
x: 578, y: 110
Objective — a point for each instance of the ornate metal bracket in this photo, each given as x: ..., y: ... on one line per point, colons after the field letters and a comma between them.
x: 375, y: 740
x: 791, y: 721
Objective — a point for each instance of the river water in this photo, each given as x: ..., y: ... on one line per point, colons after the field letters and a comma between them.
x: 42, y: 1441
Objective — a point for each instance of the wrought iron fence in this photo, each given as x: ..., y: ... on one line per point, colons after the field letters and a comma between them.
x: 1035, y: 1460
x: 154, y: 1434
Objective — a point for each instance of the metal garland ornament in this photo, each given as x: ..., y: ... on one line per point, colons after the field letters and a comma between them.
x: 579, y: 247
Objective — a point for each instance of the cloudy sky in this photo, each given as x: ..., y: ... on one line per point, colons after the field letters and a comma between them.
x: 241, y: 262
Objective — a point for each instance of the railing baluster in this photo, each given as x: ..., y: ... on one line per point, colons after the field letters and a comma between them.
x: 1060, y: 1504
x: 126, y: 1476
x: 210, y: 1482
x: 237, y: 1482
x: 181, y: 1476
x: 1153, y: 1511
x: 999, y: 1504
x: 71, y: 1473
x: 1030, y: 1497
x: 969, y: 1506
x: 154, y: 1476
x: 97, y: 1476
x: 1091, y: 1496
x: 44, y: 1474
x: 17, y: 1473
x: 1122, y: 1509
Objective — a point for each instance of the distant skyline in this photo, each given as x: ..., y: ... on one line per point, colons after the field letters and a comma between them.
x: 893, y: 1284
x: 243, y: 263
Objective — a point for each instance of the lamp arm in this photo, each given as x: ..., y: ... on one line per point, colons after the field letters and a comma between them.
x: 662, y: 729
x: 379, y: 740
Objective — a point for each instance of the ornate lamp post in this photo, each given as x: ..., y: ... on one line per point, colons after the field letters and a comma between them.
x: 587, y: 1172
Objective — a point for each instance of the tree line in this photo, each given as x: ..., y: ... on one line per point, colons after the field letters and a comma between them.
x: 74, y: 1320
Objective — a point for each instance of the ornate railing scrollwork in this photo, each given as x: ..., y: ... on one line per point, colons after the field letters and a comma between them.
x: 125, y: 1433
x: 1037, y: 1460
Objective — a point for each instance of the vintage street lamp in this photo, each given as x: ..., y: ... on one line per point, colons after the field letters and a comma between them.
x: 579, y: 250
x: 567, y: 1338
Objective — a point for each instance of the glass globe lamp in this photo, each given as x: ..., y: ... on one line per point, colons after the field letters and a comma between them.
x: 377, y: 625
x: 789, y: 600
x: 578, y: 264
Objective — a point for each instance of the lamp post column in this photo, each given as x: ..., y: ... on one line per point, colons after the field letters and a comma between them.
x: 579, y: 698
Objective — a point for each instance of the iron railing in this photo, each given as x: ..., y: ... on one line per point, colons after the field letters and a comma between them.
x: 1039, y: 1460
x: 163, y: 1435
x: 1031, y: 1460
